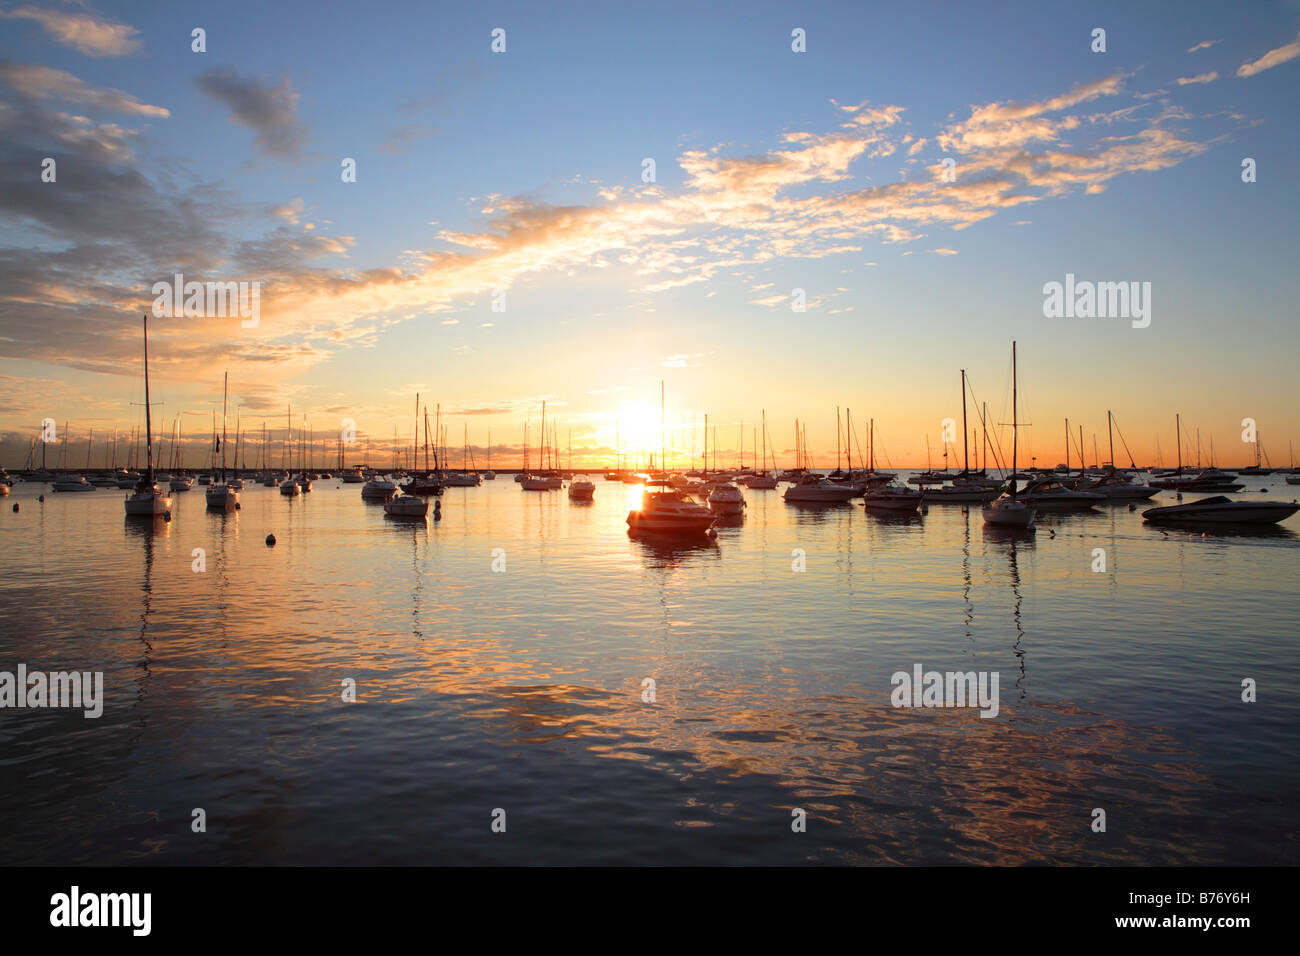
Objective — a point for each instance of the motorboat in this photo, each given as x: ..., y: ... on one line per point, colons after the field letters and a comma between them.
x: 205, y: 479
x: 763, y: 482
x: 535, y: 483
x: 726, y: 499
x: 104, y: 481
x: 304, y: 483
x: 1222, y: 510
x: 182, y: 483
x: 72, y: 483
x: 892, y: 497
x: 290, y: 488
x: 462, y: 481
x: 581, y: 489
x: 353, y: 476
x: 961, y: 493
x: 379, y: 489
x: 664, y: 510
x: 1209, y: 480
x: 407, y: 506
x: 814, y: 489
x: 1121, y: 487
x: 1053, y: 494
x: 429, y: 483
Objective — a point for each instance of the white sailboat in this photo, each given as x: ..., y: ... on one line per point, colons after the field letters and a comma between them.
x: 219, y: 494
x: 148, y: 501
x: 1008, y: 511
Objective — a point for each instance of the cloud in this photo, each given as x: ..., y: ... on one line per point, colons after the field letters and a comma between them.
x: 270, y: 111
x: 944, y: 252
x: 83, y: 32
x: 1271, y: 59
x: 1204, y: 45
x: 122, y: 228
x: 33, y: 83
x: 1199, y: 78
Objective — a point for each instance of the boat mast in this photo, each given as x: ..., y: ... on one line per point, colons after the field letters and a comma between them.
x: 1014, y: 420
x: 837, y: 438
x: 148, y: 420
x: 225, y: 391
x: 984, y: 423
x: 965, y: 434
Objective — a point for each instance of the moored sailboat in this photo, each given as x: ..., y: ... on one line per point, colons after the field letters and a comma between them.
x: 148, y: 501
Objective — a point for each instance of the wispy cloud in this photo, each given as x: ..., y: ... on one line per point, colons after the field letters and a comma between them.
x: 270, y: 111
x: 1270, y: 59
x: 1199, y: 78
x: 84, y: 32
x: 1204, y: 45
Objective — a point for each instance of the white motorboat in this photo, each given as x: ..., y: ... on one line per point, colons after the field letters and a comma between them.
x: 814, y: 489
x: 354, y: 476
x: 764, y: 482
x: 462, y: 481
x: 290, y: 488
x: 581, y: 489
x: 665, y: 510
x: 72, y: 483
x: 407, y: 506
x: 1222, y: 510
x: 378, y: 489
x: 726, y: 499
x: 892, y: 497
x: 205, y: 479
x: 304, y: 483
x: 1051, y: 494
x: 181, y: 483
x: 1120, y: 487
x: 961, y: 493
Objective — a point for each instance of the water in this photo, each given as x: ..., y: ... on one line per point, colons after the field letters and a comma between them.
x: 522, y: 690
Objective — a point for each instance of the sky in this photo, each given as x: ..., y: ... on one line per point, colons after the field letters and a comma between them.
x: 503, y: 243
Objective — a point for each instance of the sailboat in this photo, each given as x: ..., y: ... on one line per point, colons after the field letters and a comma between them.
x: 466, y: 478
x: 965, y: 487
x: 1008, y: 511
x: 219, y: 494
x: 148, y: 500
x: 289, y: 487
x: 181, y: 481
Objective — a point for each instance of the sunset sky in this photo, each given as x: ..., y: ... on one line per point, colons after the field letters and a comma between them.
x: 775, y: 170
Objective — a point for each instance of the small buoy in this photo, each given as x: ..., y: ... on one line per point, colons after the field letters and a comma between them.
x: 1263, y: 491
x: 1132, y: 507
x: 270, y: 540
x: 41, y: 498
x: 15, y: 507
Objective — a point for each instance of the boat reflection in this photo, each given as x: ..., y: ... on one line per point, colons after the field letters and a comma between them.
x: 663, y: 550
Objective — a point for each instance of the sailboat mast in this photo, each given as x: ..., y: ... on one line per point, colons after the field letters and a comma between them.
x: 965, y: 434
x: 148, y: 419
x: 1110, y: 432
x: 1015, y: 421
x: 225, y: 391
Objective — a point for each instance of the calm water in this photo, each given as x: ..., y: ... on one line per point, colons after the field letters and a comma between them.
x: 522, y: 690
